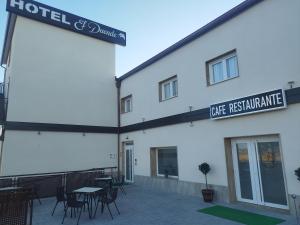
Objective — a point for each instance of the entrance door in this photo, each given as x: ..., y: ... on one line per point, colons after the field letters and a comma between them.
x: 128, y: 162
x: 258, y: 172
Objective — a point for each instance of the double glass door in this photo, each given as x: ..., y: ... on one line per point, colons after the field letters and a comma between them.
x: 258, y: 172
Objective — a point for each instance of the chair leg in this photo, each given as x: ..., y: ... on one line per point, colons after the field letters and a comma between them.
x: 79, y: 215
x: 66, y: 209
x: 116, y: 207
x: 54, y: 208
x: 38, y: 197
x: 96, y: 209
x: 109, y: 211
x: 102, y: 207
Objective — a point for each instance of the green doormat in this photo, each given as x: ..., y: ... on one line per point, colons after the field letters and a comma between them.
x: 240, y: 216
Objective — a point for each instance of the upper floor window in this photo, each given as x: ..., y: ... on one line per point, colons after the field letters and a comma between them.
x: 222, y: 68
x: 168, y: 88
x: 126, y: 104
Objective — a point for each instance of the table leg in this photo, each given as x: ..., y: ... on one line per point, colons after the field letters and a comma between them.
x: 31, y: 211
x: 91, y: 202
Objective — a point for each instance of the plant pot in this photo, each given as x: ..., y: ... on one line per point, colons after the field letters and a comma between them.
x: 208, y: 195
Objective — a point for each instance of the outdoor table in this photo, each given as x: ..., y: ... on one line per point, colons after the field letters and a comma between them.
x: 103, y: 178
x: 88, y: 193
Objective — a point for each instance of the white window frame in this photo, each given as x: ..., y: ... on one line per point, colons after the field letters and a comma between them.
x: 223, y: 60
x: 162, y: 85
x: 124, y: 108
x: 161, y: 149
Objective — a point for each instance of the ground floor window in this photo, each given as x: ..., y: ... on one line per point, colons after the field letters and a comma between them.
x: 166, y: 159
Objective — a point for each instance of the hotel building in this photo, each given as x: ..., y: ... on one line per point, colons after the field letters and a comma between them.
x: 227, y: 94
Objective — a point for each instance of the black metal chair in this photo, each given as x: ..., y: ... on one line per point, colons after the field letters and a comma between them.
x: 74, y: 204
x: 119, y: 182
x: 106, y: 199
x: 60, y: 197
x: 35, y: 189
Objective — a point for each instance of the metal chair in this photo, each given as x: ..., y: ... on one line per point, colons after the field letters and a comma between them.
x: 107, y: 199
x: 60, y: 197
x: 119, y: 182
x: 35, y: 189
x: 74, y: 204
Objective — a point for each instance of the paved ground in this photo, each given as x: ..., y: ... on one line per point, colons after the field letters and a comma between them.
x: 146, y: 207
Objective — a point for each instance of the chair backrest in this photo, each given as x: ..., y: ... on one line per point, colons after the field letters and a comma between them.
x: 71, y: 199
x: 60, y: 194
x: 122, y: 179
x: 113, y: 194
x: 14, y: 208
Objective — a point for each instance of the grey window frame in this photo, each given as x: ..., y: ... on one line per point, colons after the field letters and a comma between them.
x: 221, y: 58
x: 161, y: 88
x: 123, y: 103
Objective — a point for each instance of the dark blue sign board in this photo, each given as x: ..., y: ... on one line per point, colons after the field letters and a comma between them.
x: 47, y: 14
x: 267, y: 101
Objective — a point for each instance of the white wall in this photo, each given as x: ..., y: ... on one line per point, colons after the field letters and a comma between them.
x: 29, y: 153
x: 266, y: 38
x: 58, y: 76
x: 205, y: 142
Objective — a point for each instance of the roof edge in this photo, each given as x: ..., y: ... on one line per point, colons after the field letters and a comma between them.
x: 198, y: 33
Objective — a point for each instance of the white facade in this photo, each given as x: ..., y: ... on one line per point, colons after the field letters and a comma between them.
x: 266, y: 41
x: 55, y: 76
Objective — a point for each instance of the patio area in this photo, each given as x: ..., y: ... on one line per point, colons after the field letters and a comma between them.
x: 147, y: 207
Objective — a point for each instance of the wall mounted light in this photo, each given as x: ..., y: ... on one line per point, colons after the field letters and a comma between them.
x: 291, y: 84
x: 143, y: 119
x: 135, y: 161
x: 39, y: 132
x: 83, y: 134
x: 191, y: 109
x: 127, y: 138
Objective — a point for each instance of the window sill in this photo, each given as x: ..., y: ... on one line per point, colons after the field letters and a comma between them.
x: 163, y: 100
x: 223, y: 81
x: 125, y: 112
x: 163, y: 177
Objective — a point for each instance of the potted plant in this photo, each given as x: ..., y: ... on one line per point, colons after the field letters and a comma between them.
x: 207, y: 193
x: 297, y: 173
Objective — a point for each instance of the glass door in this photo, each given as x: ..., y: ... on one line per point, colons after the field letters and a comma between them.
x: 128, y: 162
x: 271, y: 173
x: 245, y: 171
x: 258, y: 172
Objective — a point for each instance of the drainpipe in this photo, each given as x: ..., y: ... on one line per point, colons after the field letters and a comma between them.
x: 2, y: 135
x: 118, y: 85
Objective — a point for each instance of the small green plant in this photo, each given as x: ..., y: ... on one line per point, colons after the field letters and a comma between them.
x: 297, y: 173
x: 205, y: 168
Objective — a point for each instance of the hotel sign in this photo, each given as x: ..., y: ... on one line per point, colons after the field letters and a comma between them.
x: 46, y: 14
x: 267, y: 101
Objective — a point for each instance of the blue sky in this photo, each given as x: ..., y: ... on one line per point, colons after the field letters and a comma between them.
x: 151, y: 26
